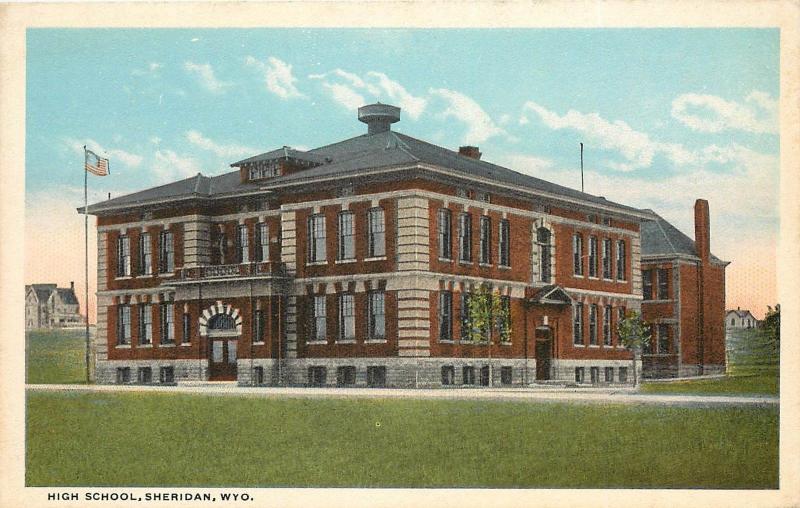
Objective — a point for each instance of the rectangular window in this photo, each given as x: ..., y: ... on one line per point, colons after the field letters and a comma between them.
x: 663, y: 338
x: 543, y: 239
x: 123, y: 375
x: 445, y: 315
x: 606, y: 258
x: 621, y: 264
x: 167, y: 375
x: 258, y: 326
x: 316, y: 239
x: 347, y: 238
x: 376, y: 376
x: 486, y: 240
x: 317, y: 376
x: 593, y: 324
x: 469, y: 375
x: 167, y: 323
x: 609, y: 374
x: 594, y: 373
x: 663, y: 284
x: 258, y: 375
x: 623, y: 374
x: 504, y: 321
x: 607, y: 325
x: 465, y: 238
x: 579, y: 374
x: 123, y: 256
x: 145, y: 254
x: 577, y: 324
x: 505, y: 243
x: 145, y: 324
x: 346, y: 375
x: 243, y: 244
x: 448, y: 375
x: 376, y: 233
x: 347, y: 317
x: 592, y: 256
x: 647, y: 347
x: 262, y: 242
x: 320, y: 320
x: 124, y: 324
x: 620, y: 319
x: 647, y: 284
x: 144, y: 375
x: 166, y: 252
x: 577, y: 254
x: 445, y: 234
x: 187, y: 328
x: 506, y: 375
x: 377, y: 315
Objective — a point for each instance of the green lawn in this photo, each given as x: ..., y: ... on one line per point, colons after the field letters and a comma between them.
x: 155, y: 439
x: 55, y: 356
x: 764, y: 383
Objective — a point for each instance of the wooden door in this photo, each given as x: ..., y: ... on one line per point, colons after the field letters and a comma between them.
x: 544, y: 352
x: 222, y: 359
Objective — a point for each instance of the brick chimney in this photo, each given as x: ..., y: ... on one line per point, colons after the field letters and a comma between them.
x: 470, y: 151
x: 702, y: 232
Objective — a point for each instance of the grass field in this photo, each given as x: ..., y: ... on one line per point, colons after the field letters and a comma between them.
x: 764, y: 383
x: 55, y: 356
x: 129, y: 439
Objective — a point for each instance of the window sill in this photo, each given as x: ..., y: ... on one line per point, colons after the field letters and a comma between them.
x: 594, y: 278
x: 166, y: 275
x: 375, y: 258
x: 445, y: 341
x: 123, y: 346
x: 594, y: 346
x: 123, y: 277
x: 316, y: 342
x: 465, y: 263
x: 445, y: 260
x: 344, y: 261
x: 145, y: 276
x: 183, y: 344
x: 259, y: 343
x: 578, y: 345
x: 608, y: 279
x: 145, y: 346
x: 375, y: 341
x: 578, y: 276
x: 504, y: 267
x: 621, y: 281
x: 346, y: 341
x: 505, y: 343
x: 167, y: 345
x: 316, y: 263
x: 485, y: 265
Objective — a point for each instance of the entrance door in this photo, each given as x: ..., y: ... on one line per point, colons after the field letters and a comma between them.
x: 544, y: 352
x: 222, y: 361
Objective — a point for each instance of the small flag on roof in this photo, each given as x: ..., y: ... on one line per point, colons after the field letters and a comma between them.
x: 95, y: 164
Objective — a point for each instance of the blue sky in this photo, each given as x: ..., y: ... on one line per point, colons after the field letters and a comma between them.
x: 667, y: 115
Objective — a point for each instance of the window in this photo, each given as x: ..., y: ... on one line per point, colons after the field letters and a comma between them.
x: 144, y: 375
x: 166, y: 253
x: 377, y: 315
x: 577, y: 324
x: 123, y: 375
x: 577, y: 254
x: 376, y: 376
x: 187, y: 328
x: 609, y: 374
x: 258, y: 375
x: 316, y: 239
x: 347, y: 317
x: 486, y: 240
x: 263, y: 169
x: 506, y: 375
x: 484, y: 375
x: 465, y: 238
x: 124, y: 324
x: 167, y: 323
x: 593, y: 325
x: 623, y: 375
x: 647, y: 284
x: 663, y: 338
x: 466, y: 320
x: 663, y: 284
x: 606, y: 258
x: 543, y: 239
x: 445, y: 234
x: 505, y: 243
x: 732, y: 322
x: 167, y: 375
x: 469, y: 375
x: 594, y: 374
x: 123, y: 256
x: 347, y: 243
x: 592, y: 256
x: 621, y: 265
x: 620, y: 319
x: 579, y: 371
x: 317, y: 376
x: 607, y: 325
x: 145, y: 324
x: 258, y: 326
x: 647, y: 347
x: 445, y: 316
x: 448, y: 375
x: 504, y: 326
x: 320, y: 321
x: 262, y: 242
x: 346, y: 375
x: 376, y: 233
x: 145, y: 255
x: 243, y: 244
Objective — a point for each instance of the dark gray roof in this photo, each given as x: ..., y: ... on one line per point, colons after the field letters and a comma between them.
x: 67, y: 296
x: 660, y: 238
x: 286, y: 153
x: 42, y: 291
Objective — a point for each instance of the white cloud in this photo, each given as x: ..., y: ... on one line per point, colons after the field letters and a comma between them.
x: 709, y: 113
x: 155, y: 140
x: 480, y: 125
x: 227, y: 150
x: 168, y: 166
x: 205, y: 73
x: 413, y: 106
x: 346, y: 88
x: 277, y: 75
x: 345, y: 95
x: 114, y: 155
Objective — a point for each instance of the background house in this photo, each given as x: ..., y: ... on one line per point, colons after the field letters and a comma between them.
x: 740, y: 319
x: 48, y: 306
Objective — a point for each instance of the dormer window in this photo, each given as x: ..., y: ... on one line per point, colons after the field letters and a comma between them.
x: 263, y: 169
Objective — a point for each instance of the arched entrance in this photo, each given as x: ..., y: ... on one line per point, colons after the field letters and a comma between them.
x: 222, y: 324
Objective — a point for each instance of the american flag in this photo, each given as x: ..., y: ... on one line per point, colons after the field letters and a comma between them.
x: 95, y: 164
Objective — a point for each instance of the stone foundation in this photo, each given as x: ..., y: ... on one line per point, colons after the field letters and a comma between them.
x: 184, y: 370
x: 564, y: 370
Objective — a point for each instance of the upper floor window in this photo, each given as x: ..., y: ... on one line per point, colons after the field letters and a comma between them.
x: 593, y: 256
x: 377, y: 315
x: 445, y: 234
x: 263, y: 170
x: 316, y: 238
x: 465, y: 237
x: 124, y: 324
x: 647, y: 284
x: 593, y: 324
x: 376, y: 233
x: 607, y: 325
x: 505, y: 243
x: 167, y: 323
x: 445, y: 315
x: 320, y: 320
x: 486, y: 240
x: 606, y: 258
x: 258, y: 326
x: 577, y: 323
x: 145, y: 324
x: 123, y: 256
x: 243, y: 244
x: 543, y: 239
x: 347, y: 242
x: 663, y: 283
x: 577, y: 254
x: 262, y: 242
x: 145, y: 254
x: 166, y: 252
x: 347, y: 317
x: 621, y: 263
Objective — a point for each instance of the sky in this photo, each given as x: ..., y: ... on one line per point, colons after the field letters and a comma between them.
x: 666, y: 116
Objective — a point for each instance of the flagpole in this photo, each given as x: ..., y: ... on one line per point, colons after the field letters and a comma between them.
x: 86, y: 252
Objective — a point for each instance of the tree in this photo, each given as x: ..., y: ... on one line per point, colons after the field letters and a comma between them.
x: 486, y: 316
x: 634, y: 333
x: 772, y: 325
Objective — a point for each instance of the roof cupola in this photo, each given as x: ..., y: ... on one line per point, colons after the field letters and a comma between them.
x: 378, y: 117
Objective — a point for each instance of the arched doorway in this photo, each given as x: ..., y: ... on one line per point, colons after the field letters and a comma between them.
x: 222, y: 324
